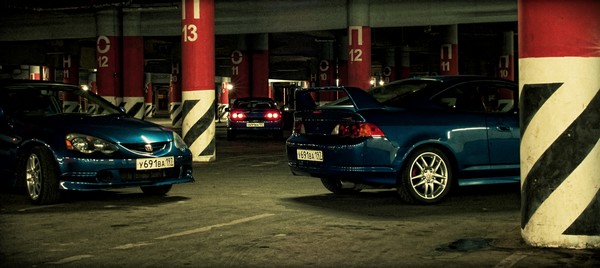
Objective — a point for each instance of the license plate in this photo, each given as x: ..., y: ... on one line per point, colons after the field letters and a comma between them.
x: 309, y: 155
x: 255, y: 124
x: 154, y: 163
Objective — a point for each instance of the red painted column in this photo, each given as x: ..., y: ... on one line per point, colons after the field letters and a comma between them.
x: 389, y: 70
x: 133, y: 65
x: 449, y: 52
x: 240, y: 70
x: 108, y: 76
x: 71, y: 76
x: 260, y: 66
x: 359, y: 56
x: 175, y: 97
x: 198, y: 73
x: 405, y: 63
x: 506, y: 66
x: 35, y: 72
x: 149, y: 107
x: 559, y: 80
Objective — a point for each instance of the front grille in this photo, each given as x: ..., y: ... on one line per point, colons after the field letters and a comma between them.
x: 141, y: 147
x: 153, y: 174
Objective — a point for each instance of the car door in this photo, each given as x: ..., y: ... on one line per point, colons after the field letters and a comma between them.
x: 502, y: 119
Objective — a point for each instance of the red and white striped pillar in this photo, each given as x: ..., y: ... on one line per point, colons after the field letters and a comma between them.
x: 108, y: 49
x: 71, y: 76
x: 506, y: 66
x: 449, y: 51
x: 260, y: 66
x: 133, y: 64
x: 559, y: 80
x: 359, y: 44
x: 175, y: 96
x: 198, y: 85
x: 149, y: 107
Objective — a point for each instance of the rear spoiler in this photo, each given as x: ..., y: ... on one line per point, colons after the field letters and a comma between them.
x: 360, y: 99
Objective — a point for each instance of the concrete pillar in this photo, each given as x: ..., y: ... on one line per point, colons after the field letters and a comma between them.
x: 47, y: 73
x: 359, y: 44
x: 389, y: 70
x: 133, y: 64
x: 198, y: 85
x: 559, y: 80
x: 71, y: 76
x: 342, y: 61
x: 35, y: 72
x: 326, y: 68
x: 149, y: 107
x: 449, y: 51
x: 240, y: 70
x: 260, y: 66
x: 506, y: 66
x: 108, y: 51
x: 175, y: 96
x: 404, y: 71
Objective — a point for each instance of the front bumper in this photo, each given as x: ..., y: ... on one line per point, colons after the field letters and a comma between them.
x: 93, y: 174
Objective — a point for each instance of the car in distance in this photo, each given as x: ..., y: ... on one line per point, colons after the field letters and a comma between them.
x: 57, y: 137
x: 254, y: 115
x: 422, y: 136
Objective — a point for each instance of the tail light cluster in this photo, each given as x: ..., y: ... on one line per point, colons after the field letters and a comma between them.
x: 357, y: 130
x: 348, y: 130
x: 269, y: 115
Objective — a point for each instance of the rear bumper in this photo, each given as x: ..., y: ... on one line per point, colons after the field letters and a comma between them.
x: 356, y: 174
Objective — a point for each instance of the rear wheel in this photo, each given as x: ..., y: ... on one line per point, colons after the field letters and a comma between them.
x: 427, y: 177
x: 156, y: 190
x: 341, y: 187
x: 40, y: 174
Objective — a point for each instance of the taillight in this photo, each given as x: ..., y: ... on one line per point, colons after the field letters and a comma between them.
x: 299, y: 127
x: 357, y: 130
x: 237, y: 115
x: 272, y: 115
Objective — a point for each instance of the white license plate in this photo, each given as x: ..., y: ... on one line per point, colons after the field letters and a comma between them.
x: 309, y: 155
x: 255, y: 124
x: 154, y: 163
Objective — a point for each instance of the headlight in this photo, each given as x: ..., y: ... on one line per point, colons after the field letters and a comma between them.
x: 89, y: 144
x: 178, y: 141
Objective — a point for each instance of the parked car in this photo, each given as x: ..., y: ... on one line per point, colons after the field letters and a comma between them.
x: 254, y: 115
x: 56, y: 137
x: 422, y: 136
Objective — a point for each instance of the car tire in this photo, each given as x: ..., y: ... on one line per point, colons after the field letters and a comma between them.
x: 426, y: 177
x: 156, y: 190
x: 40, y: 174
x: 339, y: 187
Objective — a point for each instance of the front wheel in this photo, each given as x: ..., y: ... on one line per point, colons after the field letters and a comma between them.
x: 41, y: 176
x: 156, y: 190
x: 426, y: 178
x: 341, y: 187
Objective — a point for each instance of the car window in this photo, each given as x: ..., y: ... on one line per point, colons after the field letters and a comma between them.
x: 477, y: 97
x: 44, y: 100
x: 254, y: 104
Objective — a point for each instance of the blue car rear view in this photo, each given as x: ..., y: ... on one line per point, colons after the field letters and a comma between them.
x: 422, y: 136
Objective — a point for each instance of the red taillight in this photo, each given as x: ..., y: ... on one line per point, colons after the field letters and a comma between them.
x: 357, y: 130
x: 237, y: 115
x: 272, y: 115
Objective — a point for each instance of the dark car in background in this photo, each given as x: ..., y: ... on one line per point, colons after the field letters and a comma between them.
x: 422, y: 136
x: 56, y: 137
x: 254, y: 115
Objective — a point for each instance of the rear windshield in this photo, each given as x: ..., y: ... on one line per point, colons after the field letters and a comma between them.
x: 254, y: 104
x: 395, y: 94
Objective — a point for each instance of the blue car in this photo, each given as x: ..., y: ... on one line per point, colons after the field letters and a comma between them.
x: 422, y: 136
x: 56, y: 137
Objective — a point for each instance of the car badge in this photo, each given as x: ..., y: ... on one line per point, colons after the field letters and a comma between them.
x: 148, y: 148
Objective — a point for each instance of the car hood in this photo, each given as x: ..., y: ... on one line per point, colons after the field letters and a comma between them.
x: 115, y: 128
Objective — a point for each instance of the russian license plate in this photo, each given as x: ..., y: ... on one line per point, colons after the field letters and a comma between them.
x: 249, y: 124
x: 154, y: 163
x: 309, y: 155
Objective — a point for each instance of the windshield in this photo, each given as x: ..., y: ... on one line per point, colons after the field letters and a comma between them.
x: 46, y: 100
